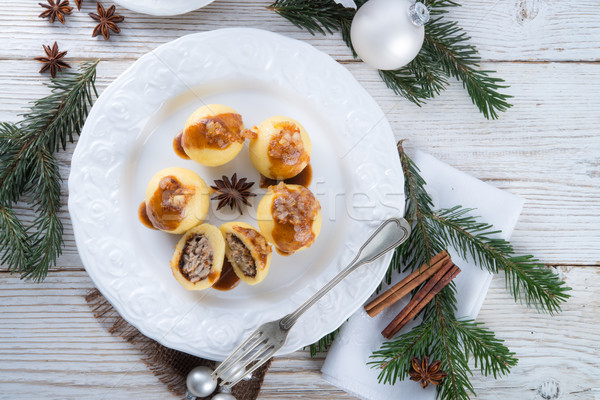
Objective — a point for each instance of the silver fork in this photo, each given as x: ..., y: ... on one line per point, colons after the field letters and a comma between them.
x: 271, y: 336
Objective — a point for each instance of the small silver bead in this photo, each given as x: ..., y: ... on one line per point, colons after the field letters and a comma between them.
x: 200, y: 382
x: 223, y: 396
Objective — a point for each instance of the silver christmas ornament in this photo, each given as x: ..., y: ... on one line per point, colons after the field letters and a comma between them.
x: 388, y: 34
x: 223, y: 396
x: 200, y: 382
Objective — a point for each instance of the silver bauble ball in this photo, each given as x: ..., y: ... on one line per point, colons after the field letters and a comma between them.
x: 200, y: 382
x: 388, y: 34
x: 223, y: 396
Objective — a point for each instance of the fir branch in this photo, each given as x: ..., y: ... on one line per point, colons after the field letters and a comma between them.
x: 438, y: 7
x: 450, y: 350
x: 492, y: 357
x: 447, y: 43
x: 316, y: 16
x: 47, y: 238
x: 323, y: 344
x: 441, y: 336
x: 14, y: 241
x: 446, y: 53
x: 28, y: 167
x: 454, y: 341
x: 54, y: 119
x: 526, y: 278
x: 15, y: 162
x: 394, y: 356
x: 404, y: 82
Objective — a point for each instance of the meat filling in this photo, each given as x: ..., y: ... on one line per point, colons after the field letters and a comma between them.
x: 240, y: 255
x: 196, y: 259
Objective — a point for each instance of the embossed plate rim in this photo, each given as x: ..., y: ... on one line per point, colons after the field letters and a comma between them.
x: 378, y: 173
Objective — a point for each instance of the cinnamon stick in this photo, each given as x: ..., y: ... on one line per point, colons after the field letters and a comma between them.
x: 406, y: 285
x: 421, y: 299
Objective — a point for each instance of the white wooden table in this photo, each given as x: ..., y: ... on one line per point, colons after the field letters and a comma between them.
x: 545, y: 149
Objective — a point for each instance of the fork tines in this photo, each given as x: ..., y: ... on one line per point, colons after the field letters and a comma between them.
x: 253, y: 352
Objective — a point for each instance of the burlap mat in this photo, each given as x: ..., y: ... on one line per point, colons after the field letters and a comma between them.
x: 170, y: 366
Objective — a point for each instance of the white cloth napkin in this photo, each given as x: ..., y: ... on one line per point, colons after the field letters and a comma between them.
x: 346, y: 362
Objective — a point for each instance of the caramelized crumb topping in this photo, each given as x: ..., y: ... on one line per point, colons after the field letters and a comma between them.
x: 249, y: 134
x: 217, y: 132
x: 287, y: 145
x: 196, y: 258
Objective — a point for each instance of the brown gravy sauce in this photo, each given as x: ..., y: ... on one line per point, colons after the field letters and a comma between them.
x: 284, y: 253
x: 195, y: 136
x: 285, y: 237
x: 163, y: 211
x: 228, y: 280
x: 304, y: 178
x: 178, y: 147
x: 143, y: 216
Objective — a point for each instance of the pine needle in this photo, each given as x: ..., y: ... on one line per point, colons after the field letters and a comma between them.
x: 28, y: 168
x: 14, y: 241
x: 316, y: 16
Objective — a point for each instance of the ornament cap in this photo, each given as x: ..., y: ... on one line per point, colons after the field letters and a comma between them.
x: 419, y: 14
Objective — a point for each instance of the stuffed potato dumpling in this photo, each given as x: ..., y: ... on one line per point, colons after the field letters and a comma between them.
x: 281, y: 149
x: 213, y: 135
x: 289, y: 216
x: 247, y: 250
x: 198, y: 258
x: 176, y: 200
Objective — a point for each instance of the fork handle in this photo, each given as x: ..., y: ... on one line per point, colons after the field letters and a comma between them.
x: 391, y: 234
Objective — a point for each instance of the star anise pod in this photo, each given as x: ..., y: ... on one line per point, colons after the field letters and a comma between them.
x: 421, y: 370
x: 232, y: 192
x: 78, y: 4
x: 53, y: 60
x: 56, y: 10
x: 107, y: 21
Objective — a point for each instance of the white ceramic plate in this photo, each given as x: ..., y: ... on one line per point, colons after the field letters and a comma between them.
x: 127, y: 138
x: 163, y: 7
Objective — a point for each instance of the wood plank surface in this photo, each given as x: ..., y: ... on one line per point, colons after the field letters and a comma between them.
x: 508, y: 30
x: 56, y: 347
x: 545, y: 149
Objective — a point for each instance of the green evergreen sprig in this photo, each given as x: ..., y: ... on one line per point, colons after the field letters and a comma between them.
x: 441, y: 335
x: 29, y: 170
x: 528, y: 280
x: 446, y: 53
